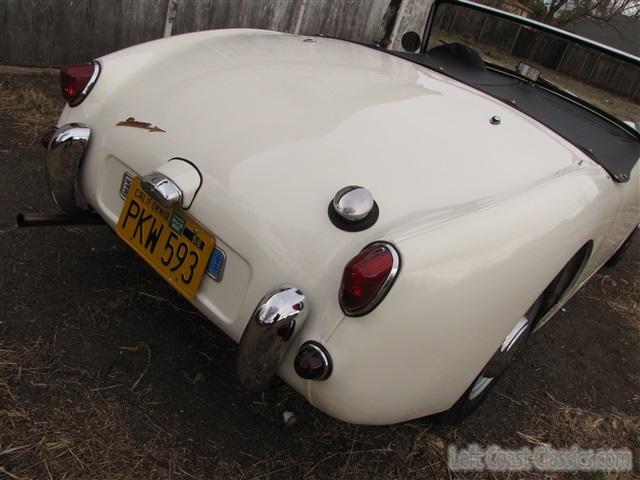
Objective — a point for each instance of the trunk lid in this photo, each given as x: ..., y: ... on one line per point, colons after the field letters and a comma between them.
x: 276, y: 125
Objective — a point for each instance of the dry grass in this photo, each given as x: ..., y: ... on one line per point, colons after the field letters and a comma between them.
x: 622, y: 296
x: 29, y: 107
x: 55, y: 422
x: 564, y: 425
x: 621, y: 291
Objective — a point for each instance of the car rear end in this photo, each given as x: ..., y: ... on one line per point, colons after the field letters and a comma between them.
x: 234, y: 143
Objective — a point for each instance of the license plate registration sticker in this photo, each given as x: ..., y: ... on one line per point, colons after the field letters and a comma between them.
x: 174, y: 244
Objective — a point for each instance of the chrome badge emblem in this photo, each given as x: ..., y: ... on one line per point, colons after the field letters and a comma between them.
x: 132, y: 122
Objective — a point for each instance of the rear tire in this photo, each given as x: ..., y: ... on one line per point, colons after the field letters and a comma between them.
x: 616, y: 257
x: 497, y: 365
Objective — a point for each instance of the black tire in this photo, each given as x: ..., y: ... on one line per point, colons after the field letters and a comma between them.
x: 493, y: 370
x: 616, y: 257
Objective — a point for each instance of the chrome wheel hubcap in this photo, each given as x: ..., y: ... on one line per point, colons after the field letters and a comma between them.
x: 503, y: 356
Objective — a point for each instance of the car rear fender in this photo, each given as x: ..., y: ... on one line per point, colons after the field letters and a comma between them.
x: 463, y: 285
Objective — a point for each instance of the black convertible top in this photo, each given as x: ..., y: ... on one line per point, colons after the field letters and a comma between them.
x: 610, y: 145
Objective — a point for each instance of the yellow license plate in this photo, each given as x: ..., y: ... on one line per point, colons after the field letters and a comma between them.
x: 167, y: 238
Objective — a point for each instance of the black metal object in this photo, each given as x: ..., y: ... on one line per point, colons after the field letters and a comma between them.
x: 52, y: 219
x: 313, y: 361
x: 353, y: 226
x: 616, y: 257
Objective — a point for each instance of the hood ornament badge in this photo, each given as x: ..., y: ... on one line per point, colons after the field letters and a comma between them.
x: 132, y: 122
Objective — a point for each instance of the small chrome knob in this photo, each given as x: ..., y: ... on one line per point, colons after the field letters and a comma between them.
x: 353, y: 203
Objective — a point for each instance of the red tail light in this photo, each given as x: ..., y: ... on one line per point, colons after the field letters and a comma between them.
x: 76, y: 81
x: 368, y: 277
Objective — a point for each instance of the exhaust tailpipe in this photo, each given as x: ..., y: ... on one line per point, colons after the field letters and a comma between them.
x: 47, y: 220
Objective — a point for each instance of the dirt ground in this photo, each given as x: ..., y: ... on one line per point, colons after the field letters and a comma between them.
x: 105, y: 372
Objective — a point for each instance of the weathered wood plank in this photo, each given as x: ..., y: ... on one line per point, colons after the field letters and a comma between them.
x: 196, y: 15
x: 359, y: 20
x: 58, y: 32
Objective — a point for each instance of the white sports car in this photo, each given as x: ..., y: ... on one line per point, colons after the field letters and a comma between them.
x: 382, y: 230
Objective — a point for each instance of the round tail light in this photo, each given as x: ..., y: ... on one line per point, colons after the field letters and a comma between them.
x: 313, y: 362
x: 368, y: 277
x: 76, y: 81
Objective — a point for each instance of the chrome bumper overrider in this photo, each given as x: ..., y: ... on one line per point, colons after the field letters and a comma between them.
x: 64, y: 154
x: 265, y: 338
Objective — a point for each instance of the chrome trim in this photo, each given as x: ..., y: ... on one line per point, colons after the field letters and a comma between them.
x: 85, y: 91
x: 480, y: 386
x: 508, y: 348
x: 275, y: 319
x: 386, y: 286
x: 282, y: 305
x: 515, y: 334
x: 503, y: 356
x: 353, y: 203
x: 64, y: 155
x: 513, y: 342
x: 326, y: 360
x: 162, y: 189
x: 495, y: 120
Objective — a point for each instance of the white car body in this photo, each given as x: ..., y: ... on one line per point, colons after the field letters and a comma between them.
x: 483, y: 216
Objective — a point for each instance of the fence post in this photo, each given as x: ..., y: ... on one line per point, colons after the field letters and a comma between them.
x: 636, y: 93
x: 412, y: 15
x: 563, y: 56
x: 515, y: 39
x: 299, y: 15
x: 170, y: 17
x: 596, y: 63
x: 484, y: 23
x: 393, y: 39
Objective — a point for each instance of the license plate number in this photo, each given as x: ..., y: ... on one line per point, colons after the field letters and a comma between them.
x: 174, y: 244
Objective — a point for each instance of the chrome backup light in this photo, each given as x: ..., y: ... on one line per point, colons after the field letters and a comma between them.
x: 313, y: 362
x: 162, y: 189
x: 353, y: 209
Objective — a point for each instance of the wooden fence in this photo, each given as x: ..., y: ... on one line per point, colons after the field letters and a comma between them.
x: 584, y: 64
x: 58, y: 32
